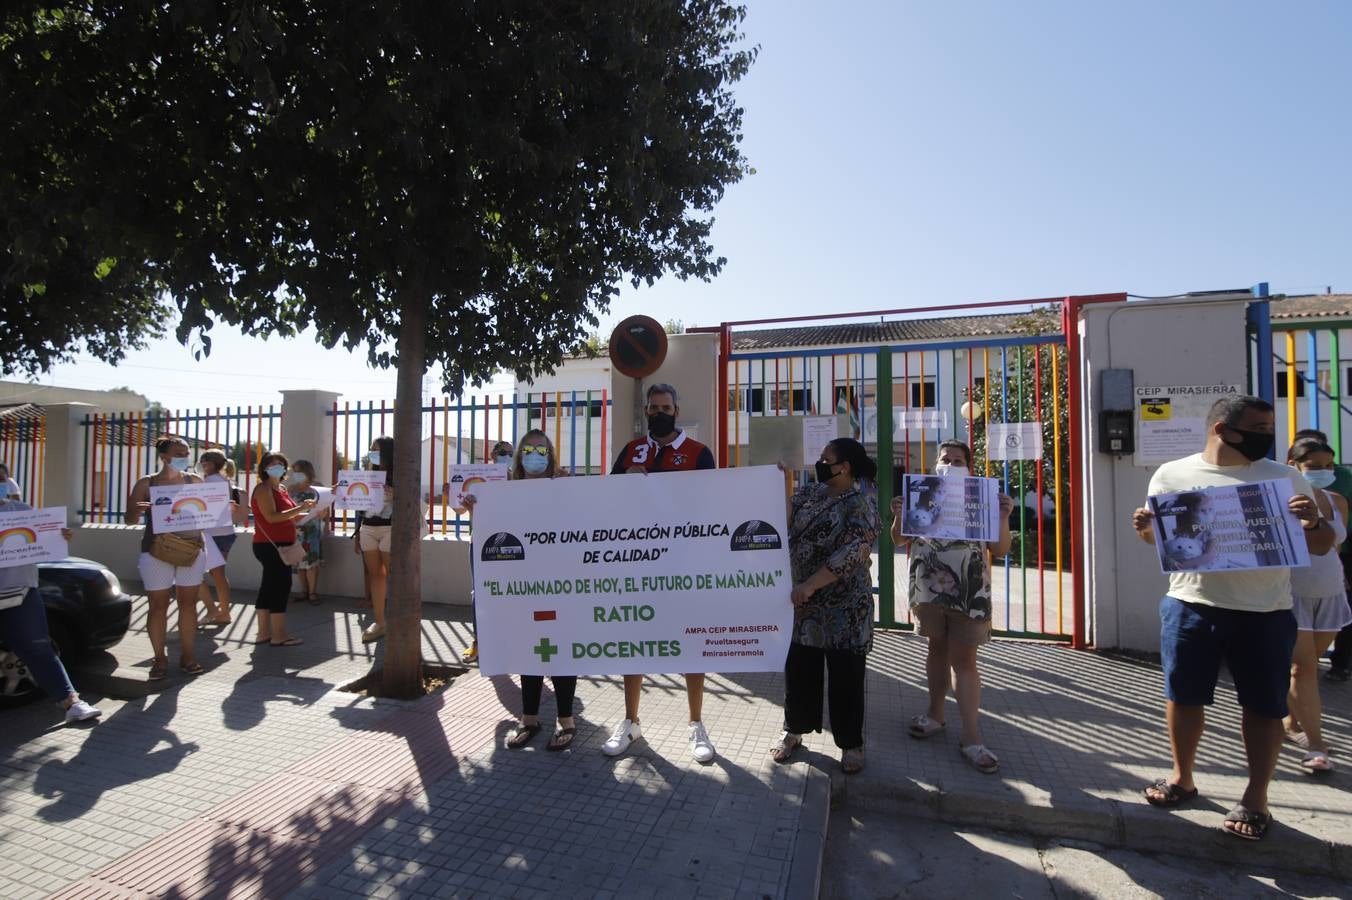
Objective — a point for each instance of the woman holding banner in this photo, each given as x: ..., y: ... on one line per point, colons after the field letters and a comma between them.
x: 535, y: 458
x: 167, y: 564
x: 951, y: 604
x: 23, y: 626
x: 1319, y: 602
x: 832, y: 529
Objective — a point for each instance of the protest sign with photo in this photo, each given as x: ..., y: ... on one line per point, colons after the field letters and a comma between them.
x: 464, y: 479
x: 30, y: 536
x: 951, y: 508
x: 1243, y: 526
x: 360, y: 490
x: 189, y: 507
x: 673, y: 572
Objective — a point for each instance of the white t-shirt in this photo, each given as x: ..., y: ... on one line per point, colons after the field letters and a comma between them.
x: 1249, y: 590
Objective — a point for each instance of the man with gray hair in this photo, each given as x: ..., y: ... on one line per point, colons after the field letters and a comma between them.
x: 665, y: 448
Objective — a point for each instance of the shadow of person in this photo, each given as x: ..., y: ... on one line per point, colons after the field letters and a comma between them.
x: 134, y: 744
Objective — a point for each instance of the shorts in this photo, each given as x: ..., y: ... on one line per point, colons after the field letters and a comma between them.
x: 933, y: 621
x: 1322, y: 613
x: 374, y: 537
x: 214, y: 558
x: 224, y: 542
x: 158, y: 575
x: 1256, y: 648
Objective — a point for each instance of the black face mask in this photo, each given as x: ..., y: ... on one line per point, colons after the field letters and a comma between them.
x: 661, y: 424
x: 824, y: 473
x: 1253, y: 445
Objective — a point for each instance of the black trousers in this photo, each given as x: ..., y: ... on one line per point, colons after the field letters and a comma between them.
x: 533, y: 686
x: 804, y: 677
x: 275, y: 587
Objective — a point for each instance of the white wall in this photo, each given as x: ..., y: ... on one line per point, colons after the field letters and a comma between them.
x: 1164, y: 343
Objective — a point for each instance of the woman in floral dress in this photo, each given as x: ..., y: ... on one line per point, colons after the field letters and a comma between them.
x: 951, y: 606
x: 832, y: 530
x: 300, y: 482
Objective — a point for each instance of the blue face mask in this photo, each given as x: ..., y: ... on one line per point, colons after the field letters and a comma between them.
x: 374, y: 457
x: 1320, y: 478
x: 275, y: 472
x: 534, y: 463
x: 180, y: 463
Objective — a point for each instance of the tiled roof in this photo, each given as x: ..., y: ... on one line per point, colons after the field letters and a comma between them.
x: 892, y: 332
x: 1312, y: 306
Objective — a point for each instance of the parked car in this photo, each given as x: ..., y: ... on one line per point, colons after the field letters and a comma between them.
x: 86, y: 611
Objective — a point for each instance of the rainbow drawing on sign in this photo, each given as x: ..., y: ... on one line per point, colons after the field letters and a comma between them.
x: 359, y: 487
x: 28, y: 535
x: 190, y: 504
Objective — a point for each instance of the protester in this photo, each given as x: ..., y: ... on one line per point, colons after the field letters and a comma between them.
x: 300, y: 484
x: 503, y: 456
x: 832, y: 530
x: 951, y: 604
x: 535, y: 458
x: 162, y: 577
x: 23, y: 625
x: 371, y: 538
x: 212, y: 465
x: 1242, y: 617
x: 665, y: 448
x: 12, y: 486
x: 1319, y: 601
x: 275, y: 513
x: 1340, y: 660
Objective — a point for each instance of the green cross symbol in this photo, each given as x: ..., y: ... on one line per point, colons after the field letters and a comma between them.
x: 545, y: 649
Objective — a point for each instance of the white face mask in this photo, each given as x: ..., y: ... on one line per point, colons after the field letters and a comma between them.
x: 950, y: 469
x: 1320, y: 478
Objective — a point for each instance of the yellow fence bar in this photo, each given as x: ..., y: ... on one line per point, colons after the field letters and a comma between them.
x: 1292, y: 379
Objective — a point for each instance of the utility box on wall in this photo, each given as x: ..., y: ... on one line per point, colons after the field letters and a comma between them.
x: 1116, y: 425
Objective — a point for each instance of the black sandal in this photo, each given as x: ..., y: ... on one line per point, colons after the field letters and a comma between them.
x: 522, y: 736
x: 562, y: 739
x: 1173, y: 795
x: 1241, y: 815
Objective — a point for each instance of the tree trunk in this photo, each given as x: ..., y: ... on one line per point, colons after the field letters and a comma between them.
x: 403, y: 607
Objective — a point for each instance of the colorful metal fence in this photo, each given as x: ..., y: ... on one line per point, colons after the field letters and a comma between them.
x: 1298, y: 367
x: 23, y: 448
x: 120, y: 447
x: 935, y: 392
x: 458, y: 431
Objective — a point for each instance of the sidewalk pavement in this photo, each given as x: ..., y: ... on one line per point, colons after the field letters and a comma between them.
x: 260, y: 779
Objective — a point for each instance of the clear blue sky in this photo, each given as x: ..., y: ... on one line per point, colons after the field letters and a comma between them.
x: 911, y: 153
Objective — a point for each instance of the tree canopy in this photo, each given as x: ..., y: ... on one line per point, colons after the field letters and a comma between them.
x: 467, y: 183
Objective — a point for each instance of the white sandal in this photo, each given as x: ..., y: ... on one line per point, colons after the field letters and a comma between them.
x: 981, y: 759
x: 1317, y: 761
x: 922, y: 726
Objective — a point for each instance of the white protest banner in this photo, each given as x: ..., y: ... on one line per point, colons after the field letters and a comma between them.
x: 1014, y: 440
x: 362, y: 490
x: 465, y: 478
x: 324, y: 499
x: 1243, y: 526
x: 629, y: 574
x: 30, y: 536
x: 951, y: 508
x: 189, y: 507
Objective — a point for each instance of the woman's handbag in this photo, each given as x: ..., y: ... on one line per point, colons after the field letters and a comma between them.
x: 177, y: 548
x: 292, y: 554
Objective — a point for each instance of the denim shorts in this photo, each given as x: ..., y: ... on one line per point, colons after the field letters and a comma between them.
x: 1256, y: 648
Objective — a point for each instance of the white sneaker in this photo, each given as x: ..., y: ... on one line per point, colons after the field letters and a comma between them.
x: 701, y: 748
x: 624, y: 734
x: 80, y: 711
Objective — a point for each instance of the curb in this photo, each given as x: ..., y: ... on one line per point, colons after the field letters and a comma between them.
x: 1107, y: 822
x: 809, y: 849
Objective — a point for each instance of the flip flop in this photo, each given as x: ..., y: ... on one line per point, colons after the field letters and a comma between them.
x: 289, y: 642
x: 522, y: 736
x: 561, y: 739
x: 1318, y: 762
x: 158, y: 671
x: 193, y: 669
x: 1173, y: 795
x: 1259, y: 822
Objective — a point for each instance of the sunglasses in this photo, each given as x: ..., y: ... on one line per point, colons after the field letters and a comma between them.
x: 534, y: 448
